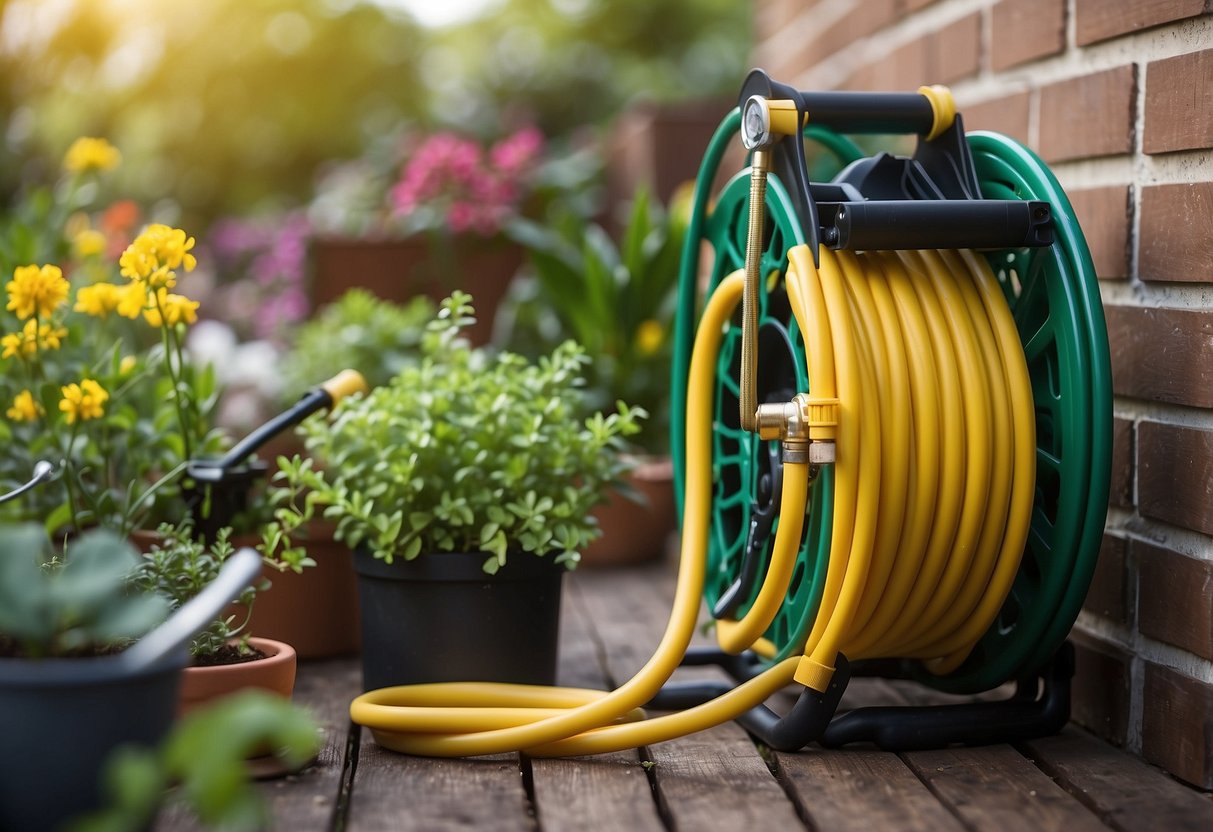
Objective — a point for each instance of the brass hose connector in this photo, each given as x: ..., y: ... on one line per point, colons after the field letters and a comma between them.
x: 805, y: 426
x: 760, y: 164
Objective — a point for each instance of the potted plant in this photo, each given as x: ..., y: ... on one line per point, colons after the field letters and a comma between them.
x: 97, y: 388
x: 61, y: 707
x: 617, y: 300
x: 464, y: 487
x: 81, y: 669
x: 224, y: 656
x: 426, y: 215
x: 95, y: 378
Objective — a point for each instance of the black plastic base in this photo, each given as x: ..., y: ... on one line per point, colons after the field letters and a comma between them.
x: 1039, y: 707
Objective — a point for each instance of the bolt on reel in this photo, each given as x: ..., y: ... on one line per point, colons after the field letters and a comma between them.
x: 891, y: 431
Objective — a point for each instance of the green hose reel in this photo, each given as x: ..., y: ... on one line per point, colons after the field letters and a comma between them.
x: 1053, y: 295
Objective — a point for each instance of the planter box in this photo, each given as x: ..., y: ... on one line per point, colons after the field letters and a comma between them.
x: 398, y: 270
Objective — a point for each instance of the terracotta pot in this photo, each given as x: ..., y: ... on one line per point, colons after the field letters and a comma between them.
x: 631, y: 532
x: 315, y: 611
x: 398, y: 270
x: 275, y: 673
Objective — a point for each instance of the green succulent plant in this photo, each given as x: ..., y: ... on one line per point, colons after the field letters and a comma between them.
x: 79, y: 604
x: 465, y: 451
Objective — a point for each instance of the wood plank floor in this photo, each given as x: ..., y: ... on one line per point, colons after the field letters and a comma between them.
x: 718, y: 779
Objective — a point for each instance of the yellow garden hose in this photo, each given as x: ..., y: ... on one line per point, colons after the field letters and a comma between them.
x: 469, y: 719
x: 933, y: 486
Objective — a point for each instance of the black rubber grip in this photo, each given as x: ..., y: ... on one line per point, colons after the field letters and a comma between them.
x: 927, y: 224
x: 871, y: 112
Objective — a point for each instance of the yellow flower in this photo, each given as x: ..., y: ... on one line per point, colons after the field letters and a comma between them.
x: 88, y: 154
x: 98, y: 300
x: 176, y: 308
x: 151, y: 258
x: 36, y: 290
x: 88, y: 243
x: 649, y: 336
x: 25, y: 408
x: 32, y: 337
x: 128, y: 363
x: 132, y: 300
x: 83, y: 401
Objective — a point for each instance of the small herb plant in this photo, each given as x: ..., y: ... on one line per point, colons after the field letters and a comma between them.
x: 465, y: 451
x: 80, y: 604
x: 376, y: 337
x: 179, y: 566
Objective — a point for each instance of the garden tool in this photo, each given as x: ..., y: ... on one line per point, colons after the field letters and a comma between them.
x: 43, y: 471
x: 219, y: 488
x: 891, y: 435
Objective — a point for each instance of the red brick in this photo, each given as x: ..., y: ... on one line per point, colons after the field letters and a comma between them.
x: 1175, y: 475
x: 819, y: 44
x: 1007, y: 115
x: 1108, y: 595
x: 774, y: 15
x: 1103, y: 214
x: 1176, y: 243
x: 1164, y: 355
x: 1120, y: 494
x: 905, y: 68
x: 915, y: 5
x: 1091, y: 115
x: 1179, y: 103
x: 1098, y: 20
x: 956, y: 50
x: 1025, y: 30
x: 1175, y: 598
x: 1101, y: 687
x: 1177, y: 724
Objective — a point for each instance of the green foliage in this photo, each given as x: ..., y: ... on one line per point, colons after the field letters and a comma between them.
x: 615, y: 299
x: 179, y: 566
x: 77, y: 605
x: 205, y: 754
x: 119, y: 469
x: 465, y: 451
x: 359, y: 331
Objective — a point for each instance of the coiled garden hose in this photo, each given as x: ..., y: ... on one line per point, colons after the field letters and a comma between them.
x: 932, y: 500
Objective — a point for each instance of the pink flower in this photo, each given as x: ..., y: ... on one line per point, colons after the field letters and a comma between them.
x: 473, y: 191
x: 513, y: 155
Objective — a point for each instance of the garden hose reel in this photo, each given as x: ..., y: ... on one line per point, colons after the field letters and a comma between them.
x: 891, y: 436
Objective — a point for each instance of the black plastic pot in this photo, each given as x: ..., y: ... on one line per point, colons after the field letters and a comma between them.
x: 61, y: 718
x: 441, y: 618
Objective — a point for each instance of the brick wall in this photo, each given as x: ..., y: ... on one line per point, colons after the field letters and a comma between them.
x: 1117, y: 96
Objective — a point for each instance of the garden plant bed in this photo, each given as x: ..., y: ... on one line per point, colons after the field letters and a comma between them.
x: 718, y: 779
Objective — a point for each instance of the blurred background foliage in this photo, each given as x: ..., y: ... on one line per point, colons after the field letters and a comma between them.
x: 230, y: 106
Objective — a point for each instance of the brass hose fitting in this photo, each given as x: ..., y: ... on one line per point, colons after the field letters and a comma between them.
x: 760, y: 164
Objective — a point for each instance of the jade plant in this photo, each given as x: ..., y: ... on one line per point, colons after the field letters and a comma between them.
x: 465, y: 451
x: 80, y: 603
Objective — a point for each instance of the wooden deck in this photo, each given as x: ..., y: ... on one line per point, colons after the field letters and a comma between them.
x: 718, y: 779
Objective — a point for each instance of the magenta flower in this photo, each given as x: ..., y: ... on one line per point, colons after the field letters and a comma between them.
x: 450, y: 179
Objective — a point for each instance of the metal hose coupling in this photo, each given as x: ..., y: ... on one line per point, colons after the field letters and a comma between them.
x: 805, y: 426
x: 760, y: 164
